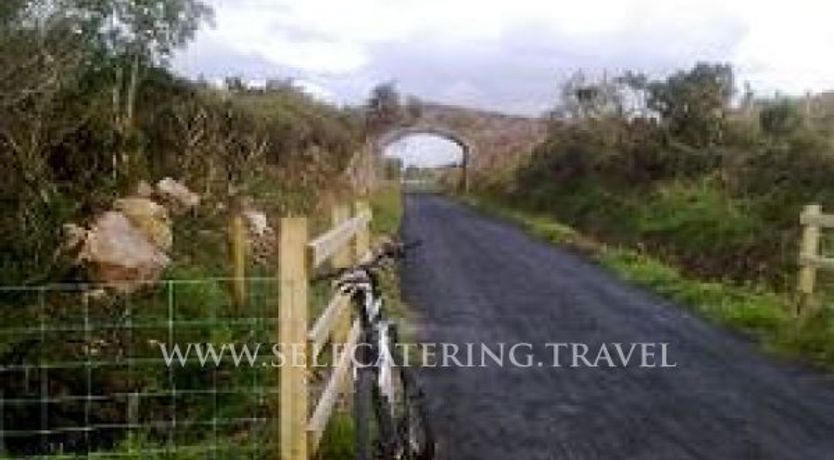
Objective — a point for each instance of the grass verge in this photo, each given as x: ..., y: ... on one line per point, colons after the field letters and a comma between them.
x: 387, y: 208
x: 763, y: 315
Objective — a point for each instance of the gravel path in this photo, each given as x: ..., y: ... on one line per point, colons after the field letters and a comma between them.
x: 476, y: 279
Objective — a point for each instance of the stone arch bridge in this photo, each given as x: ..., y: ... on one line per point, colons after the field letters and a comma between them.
x: 491, y: 142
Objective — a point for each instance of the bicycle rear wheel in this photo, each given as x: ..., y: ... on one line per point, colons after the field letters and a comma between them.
x: 376, y: 437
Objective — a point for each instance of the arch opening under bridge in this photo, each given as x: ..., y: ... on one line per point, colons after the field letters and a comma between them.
x: 399, y: 134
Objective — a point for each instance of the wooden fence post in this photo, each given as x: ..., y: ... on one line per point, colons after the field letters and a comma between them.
x: 292, y: 334
x: 363, y: 237
x: 809, y: 248
x: 341, y: 259
x: 237, y: 251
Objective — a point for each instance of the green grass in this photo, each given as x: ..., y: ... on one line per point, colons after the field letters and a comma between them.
x: 140, y: 447
x: 757, y: 312
x: 386, y: 205
x: 536, y: 224
x: 337, y: 442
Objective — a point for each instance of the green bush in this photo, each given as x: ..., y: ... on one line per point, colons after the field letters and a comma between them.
x: 724, y: 207
x: 700, y: 224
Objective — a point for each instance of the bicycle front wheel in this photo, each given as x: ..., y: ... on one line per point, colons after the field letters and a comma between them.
x: 416, y: 438
x: 362, y: 412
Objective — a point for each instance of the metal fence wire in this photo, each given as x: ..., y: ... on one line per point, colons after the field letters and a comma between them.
x: 82, y: 371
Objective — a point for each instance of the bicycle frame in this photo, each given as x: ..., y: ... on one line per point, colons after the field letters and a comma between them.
x: 381, y: 385
x: 376, y: 332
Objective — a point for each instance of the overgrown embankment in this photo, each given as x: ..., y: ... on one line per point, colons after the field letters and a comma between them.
x: 85, y: 114
x: 278, y: 147
x: 701, y: 200
x: 88, y: 111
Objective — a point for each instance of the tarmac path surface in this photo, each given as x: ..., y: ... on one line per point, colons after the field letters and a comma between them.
x: 478, y: 280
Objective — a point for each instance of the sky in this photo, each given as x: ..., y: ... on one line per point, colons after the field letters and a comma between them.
x: 509, y: 55
x: 426, y: 150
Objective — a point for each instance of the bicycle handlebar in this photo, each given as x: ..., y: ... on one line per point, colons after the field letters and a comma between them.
x: 388, y: 251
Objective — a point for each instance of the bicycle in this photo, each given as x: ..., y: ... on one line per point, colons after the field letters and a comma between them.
x: 384, y: 386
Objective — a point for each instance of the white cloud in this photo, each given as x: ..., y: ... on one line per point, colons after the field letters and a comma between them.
x: 317, y: 91
x: 508, y: 53
x: 789, y: 46
x: 253, y: 28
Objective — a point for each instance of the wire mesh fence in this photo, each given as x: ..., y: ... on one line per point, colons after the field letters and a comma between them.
x: 83, y: 371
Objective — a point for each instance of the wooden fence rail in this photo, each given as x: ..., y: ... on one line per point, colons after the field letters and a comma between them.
x: 810, y: 260
x: 347, y: 241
